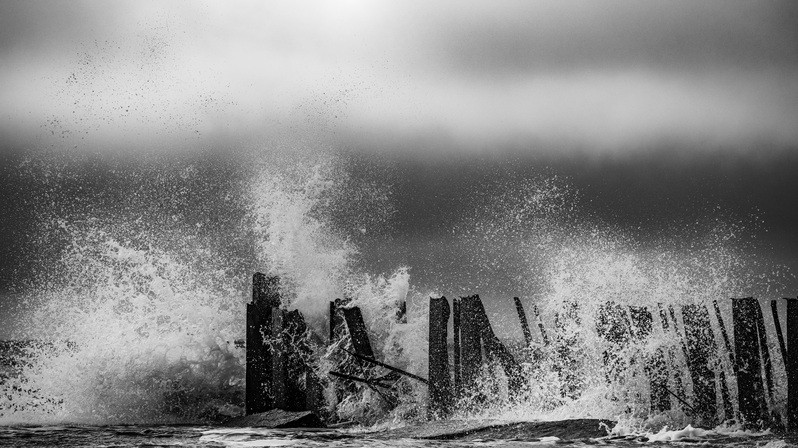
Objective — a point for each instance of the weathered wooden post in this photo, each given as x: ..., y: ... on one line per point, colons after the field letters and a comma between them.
x: 470, y: 347
x: 265, y: 296
x: 458, y: 380
x: 279, y: 356
x: 519, y: 307
x: 301, y: 386
x: 564, y: 342
x: 333, y: 312
x: 656, y: 367
x: 357, y: 331
x: 401, y: 313
x: 336, y: 319
x: 700, y: 349
x: 495, y: 351
x: 792, y: 364
x: 542, y: 329
x: 724, y: 334
x: 748, y: 367
x: 764, y: 351
x: 728, y: 409
x: 774, y: 308
x: 672, y: 359
x: 440, y: 392
x: 612, y: 324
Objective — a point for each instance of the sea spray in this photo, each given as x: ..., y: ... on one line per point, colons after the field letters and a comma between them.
x: 142, y: 307
x: 296, y: 244
x: 398, y: 340
x: 147, y: 306
x: 146, y: 339
x: 573, y: 267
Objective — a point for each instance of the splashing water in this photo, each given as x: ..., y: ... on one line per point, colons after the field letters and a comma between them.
x: 140, y: 337
x: 141, y: 324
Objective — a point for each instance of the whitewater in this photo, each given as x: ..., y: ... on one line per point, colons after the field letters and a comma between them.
x: 130, y: 331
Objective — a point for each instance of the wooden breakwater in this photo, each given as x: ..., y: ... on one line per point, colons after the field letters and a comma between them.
x: 282, y: 375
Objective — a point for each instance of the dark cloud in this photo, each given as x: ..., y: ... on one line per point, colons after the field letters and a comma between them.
x: 610, y: 78
x: 551, y: 35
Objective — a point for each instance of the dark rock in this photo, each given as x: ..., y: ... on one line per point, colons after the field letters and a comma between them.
x: 575, y: 429
x: 278, y: 418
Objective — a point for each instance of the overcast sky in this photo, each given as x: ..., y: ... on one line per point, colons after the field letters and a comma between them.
x: 663, y: 117
x: 609, y: 77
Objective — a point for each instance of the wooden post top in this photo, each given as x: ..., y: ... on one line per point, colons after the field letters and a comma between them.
x: 265, y: 290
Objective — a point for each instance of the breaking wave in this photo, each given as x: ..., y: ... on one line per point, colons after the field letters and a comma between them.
x: 138, y: 311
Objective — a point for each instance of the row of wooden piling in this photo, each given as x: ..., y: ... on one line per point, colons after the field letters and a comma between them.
x: 749, y: 358
x: 473, y: 336
x: 279, y: 374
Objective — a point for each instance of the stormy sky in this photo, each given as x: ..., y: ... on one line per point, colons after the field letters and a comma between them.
x: 609, y: 77
x: 661, y: 114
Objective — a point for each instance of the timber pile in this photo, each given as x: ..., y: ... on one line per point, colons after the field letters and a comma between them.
x: 282, y: 387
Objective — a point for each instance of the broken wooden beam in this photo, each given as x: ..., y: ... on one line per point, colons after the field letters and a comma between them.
x: 389, y: 367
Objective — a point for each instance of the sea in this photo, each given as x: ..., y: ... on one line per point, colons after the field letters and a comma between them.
x: 208, y: 436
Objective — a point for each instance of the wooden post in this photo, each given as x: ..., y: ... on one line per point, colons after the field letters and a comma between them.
x: 332, y: 321
x: 495, y: 351
x: 792, y: 364
x: 256, y: 378
x: 673, y: 361
x: 564, y: 341
x: 476, y: 329
x: 700, y: 349
x: 774, y: 308
x: 728, y: 409
x: 336, y: 319
x: 458, y: 381
x: 265, y: 296
x: 764, y: 352
x: 656, y: 368
x: 279, y: 356
x: 723, y: 332
x: 357, y: 331
x: 519, y: 307
x: 748, y: 367
x: 542, y: 329
x: 612, y: 324
x: 440, y: 393
x: 301, y: 391
x: 470, y: 347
